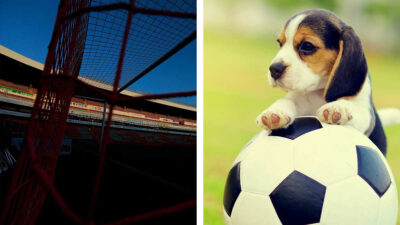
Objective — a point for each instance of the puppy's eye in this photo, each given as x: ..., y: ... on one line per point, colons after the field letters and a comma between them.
x: 279, y: 42
x: 306, y: 48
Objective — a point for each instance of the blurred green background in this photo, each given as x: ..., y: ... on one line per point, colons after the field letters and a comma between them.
x: 239, y: 43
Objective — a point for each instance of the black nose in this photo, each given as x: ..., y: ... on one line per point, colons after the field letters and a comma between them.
x: 277, y: 70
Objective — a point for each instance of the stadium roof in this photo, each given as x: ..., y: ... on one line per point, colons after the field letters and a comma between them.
x: 103, y: 85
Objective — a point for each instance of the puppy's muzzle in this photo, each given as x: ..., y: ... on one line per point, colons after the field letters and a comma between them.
x: 277, y: 70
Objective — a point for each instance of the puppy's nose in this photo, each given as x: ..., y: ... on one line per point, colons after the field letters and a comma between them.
x: 277, y: 70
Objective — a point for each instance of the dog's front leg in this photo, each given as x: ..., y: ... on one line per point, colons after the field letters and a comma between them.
x: 347, y: 112
x: 279, y: 115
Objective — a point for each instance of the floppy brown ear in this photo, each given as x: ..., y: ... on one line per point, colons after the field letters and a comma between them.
x: 350, y: 69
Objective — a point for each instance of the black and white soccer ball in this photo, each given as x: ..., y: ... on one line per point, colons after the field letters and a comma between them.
x: 310, y: 173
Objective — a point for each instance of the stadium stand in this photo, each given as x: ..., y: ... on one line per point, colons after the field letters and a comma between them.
x: 89, y: 110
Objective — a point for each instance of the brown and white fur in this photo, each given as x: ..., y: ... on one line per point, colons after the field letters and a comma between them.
x: 322, y: 67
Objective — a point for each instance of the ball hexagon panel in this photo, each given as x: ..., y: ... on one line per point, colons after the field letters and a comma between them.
x: 249, y: 147
x: 320, y: 155
x: 372, y: 169
x: 266, y: 167
x: 227, y: 218
x: 349, y: 201
x: 232, y: 188
x: 254, y: 209
x: 388, y: 207
x: 299, y: 127
x: 298, y: 200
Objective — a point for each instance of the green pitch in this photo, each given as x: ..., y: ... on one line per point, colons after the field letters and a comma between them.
x: 236, y: 91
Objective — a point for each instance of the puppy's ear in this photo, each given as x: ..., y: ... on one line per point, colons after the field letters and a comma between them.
x: 350, y: 69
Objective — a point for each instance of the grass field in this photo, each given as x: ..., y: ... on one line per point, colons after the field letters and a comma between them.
x: 236, y: 91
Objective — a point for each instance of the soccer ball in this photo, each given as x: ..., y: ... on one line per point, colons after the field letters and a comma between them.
x: 310, y: 173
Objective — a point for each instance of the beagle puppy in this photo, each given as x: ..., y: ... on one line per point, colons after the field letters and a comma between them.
x: 322, y: 67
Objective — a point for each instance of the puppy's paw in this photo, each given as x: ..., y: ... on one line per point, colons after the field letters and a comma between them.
x: 270, y: 120
x: 334, y: 113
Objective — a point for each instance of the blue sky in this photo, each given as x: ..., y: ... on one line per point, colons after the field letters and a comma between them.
x: 26, y: 27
